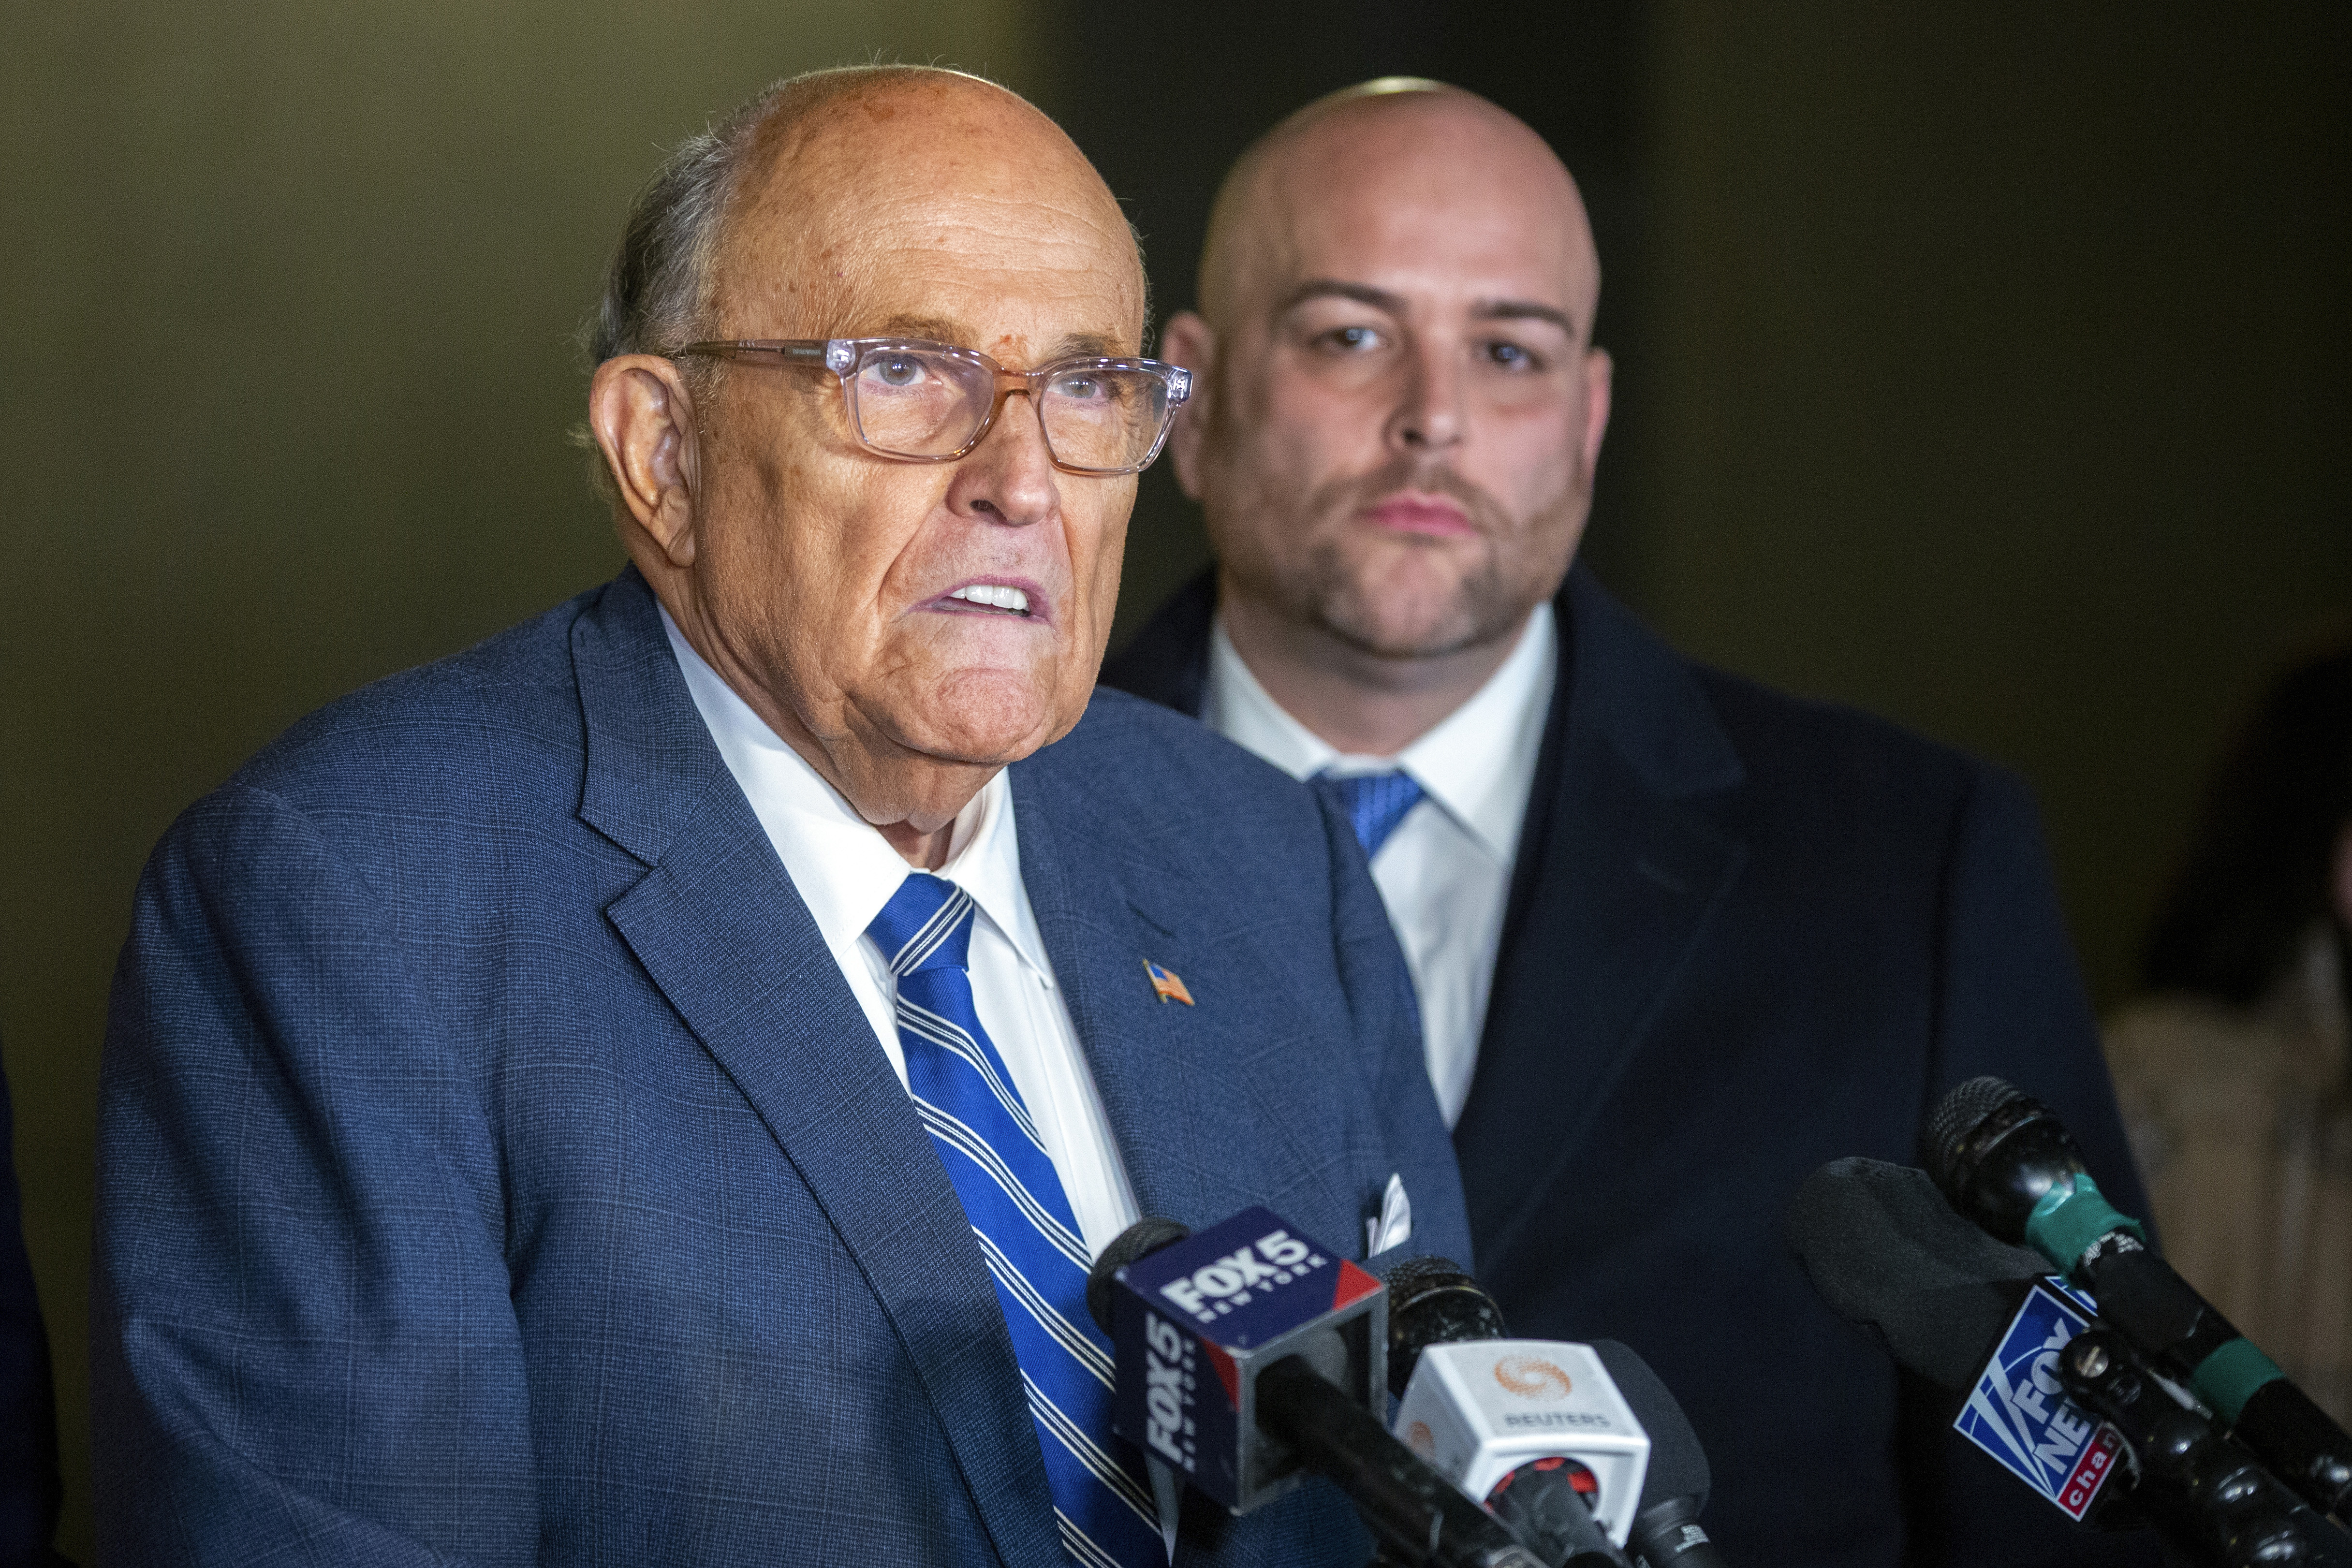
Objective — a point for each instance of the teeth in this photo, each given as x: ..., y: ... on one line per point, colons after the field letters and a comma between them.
x: 994, y: 595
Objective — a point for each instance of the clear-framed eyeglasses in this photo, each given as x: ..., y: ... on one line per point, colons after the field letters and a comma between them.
x: 932, y: 403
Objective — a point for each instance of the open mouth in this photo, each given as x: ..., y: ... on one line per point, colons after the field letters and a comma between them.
x: 994, y: 597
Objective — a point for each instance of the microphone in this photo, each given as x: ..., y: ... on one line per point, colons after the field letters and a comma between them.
x: 1555, y: 1463
x: 2206, y: 1491
x: 1889, y: 1256
x: 1666, y: 1532
x: 1960, y: 1310
x: 1535, y: 1430
x: 1247, y: 1355
x: 2006, y: 1163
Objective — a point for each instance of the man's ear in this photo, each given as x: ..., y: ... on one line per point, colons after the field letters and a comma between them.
x: 1188, y: 341
x: 1600, y: 378
x: 643, y: 418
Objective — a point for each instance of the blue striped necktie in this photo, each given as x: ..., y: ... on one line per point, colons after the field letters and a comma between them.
x: 1375, y: 803
x: 1021, y: 1217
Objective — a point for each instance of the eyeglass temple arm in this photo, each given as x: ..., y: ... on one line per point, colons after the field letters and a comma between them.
x: 811, y: 350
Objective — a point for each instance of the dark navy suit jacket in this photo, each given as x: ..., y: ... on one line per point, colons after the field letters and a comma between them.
x: 1748, y: 935
x: 495, y: 1167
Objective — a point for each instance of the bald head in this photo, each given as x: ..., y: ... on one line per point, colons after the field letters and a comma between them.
x: 936, y: 157
x: 1425, y: 151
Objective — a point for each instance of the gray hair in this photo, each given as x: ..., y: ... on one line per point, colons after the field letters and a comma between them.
x: 658, y: 288
x: 658, y: 284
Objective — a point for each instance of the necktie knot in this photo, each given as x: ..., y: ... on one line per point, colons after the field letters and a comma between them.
x: 926, y: 925
x: 1375, y: 803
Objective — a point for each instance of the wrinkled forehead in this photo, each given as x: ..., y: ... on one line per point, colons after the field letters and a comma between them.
x: 928, y: 207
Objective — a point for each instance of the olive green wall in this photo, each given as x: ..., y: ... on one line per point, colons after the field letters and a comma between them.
x: 2003, y: 382
x: 287, y: 379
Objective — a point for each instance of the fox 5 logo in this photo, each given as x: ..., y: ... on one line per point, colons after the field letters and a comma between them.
x: 1213, y: 1289
x: 1170, y: 1385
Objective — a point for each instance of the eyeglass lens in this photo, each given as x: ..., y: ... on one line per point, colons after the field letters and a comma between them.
x: 914, y: 404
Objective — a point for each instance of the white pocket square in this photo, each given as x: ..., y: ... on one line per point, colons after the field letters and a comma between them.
x: 1392, y: 1227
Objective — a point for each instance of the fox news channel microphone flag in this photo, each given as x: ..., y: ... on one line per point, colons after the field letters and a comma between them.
x: 2006, y: 1162
x: 2060, y: 1399
x: 2019, y: 1412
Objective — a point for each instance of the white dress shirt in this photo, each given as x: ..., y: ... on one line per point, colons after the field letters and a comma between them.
x: 845, y: 870
x: 1446, y: 872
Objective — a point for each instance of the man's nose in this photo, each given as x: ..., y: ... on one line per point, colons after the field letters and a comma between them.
x: 1429, y: 415
x: 1010, y: 476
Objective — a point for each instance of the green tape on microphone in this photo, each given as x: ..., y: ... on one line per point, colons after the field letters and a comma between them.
x: 2063, y: 1225
x: 2069, y: 1219
x: 2228, y: 1378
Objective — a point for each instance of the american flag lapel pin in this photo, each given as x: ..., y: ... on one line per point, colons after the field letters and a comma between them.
x: 1167, y: 985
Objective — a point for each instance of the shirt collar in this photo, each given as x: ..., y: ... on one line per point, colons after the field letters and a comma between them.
x: 841, y: 866
x: 1478, y: 763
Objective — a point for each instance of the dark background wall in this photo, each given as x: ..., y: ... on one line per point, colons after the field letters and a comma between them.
x: 2001, y: 382
x: 1981, y: 364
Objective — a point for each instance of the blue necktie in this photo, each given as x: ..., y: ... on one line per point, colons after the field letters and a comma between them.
x: 1375, y: 803
x: 1021, y: 1217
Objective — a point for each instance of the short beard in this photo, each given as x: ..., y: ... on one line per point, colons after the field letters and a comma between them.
x: 1333, y: 594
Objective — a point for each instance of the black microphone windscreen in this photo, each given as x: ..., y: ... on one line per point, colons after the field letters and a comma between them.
x: 1408, y: 1278
x: 1958, y: 1115
x: 1146, y: 1236
x: 1889, y: 1254
x: 1677, y: 1464
x: 1432, y: 1302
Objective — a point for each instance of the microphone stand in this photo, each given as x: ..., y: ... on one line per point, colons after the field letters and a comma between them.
x: 2207, y: 1493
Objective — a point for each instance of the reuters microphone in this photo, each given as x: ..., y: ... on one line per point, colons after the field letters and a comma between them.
x: 1538, y: 1431
x: 1579, y: 1448
x: 1248, y: 1356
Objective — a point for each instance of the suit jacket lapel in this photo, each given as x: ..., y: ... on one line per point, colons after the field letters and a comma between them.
x: 1199, y: 1130
x: 719, y: 927
x: 1094, y: 937
x: 1089, y: 934
x: 1620, y: 865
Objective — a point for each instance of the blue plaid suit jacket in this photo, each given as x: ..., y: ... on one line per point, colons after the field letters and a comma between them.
x: 495, y: 1167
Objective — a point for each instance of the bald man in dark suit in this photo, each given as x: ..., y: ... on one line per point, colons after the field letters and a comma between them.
x: 1678, y: 940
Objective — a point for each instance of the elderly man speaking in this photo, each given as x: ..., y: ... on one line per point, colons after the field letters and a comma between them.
x: 648, y: 1089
